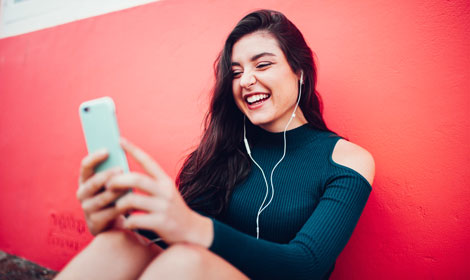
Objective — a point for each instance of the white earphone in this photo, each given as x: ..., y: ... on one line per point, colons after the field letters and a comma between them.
x: 248, y: 150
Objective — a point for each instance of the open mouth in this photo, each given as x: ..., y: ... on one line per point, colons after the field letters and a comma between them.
x: 257, y: 98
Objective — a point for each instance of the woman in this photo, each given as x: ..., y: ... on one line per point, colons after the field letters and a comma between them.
x: 269, y: 192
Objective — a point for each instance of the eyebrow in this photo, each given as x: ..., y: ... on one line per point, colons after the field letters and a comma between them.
x: 255, y: 57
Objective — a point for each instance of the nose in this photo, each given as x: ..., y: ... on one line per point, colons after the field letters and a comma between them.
x: 247, y: 79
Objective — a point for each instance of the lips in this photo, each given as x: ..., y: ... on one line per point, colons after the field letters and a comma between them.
x: 255, y: 99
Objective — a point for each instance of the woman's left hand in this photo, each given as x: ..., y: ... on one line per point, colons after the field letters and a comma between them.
x: 166, y: 212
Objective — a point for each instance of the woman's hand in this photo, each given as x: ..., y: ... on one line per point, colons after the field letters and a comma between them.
x: 166, y: 213
x: 94, y: 200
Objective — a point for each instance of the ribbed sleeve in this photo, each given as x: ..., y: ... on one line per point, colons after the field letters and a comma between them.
x: 313, y: 251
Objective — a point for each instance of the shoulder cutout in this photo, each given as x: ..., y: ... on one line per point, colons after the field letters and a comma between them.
x: 355, y: 157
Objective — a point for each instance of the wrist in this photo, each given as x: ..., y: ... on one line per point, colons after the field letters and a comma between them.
x: 202, y: 231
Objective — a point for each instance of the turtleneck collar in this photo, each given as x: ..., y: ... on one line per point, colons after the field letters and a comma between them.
x: 295, y: 137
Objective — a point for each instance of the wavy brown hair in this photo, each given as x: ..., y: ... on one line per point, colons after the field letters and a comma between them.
x: 210, y: 173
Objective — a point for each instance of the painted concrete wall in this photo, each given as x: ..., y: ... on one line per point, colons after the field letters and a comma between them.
x: 394, y: 76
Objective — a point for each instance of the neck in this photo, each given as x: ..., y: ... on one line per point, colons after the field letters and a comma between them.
x: 258, y: 136
x: 297, y: 121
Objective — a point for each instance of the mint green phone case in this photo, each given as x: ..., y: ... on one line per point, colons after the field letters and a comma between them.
x: 99, y: 124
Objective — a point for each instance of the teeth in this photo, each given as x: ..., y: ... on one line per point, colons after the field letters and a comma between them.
x: 254, y: 98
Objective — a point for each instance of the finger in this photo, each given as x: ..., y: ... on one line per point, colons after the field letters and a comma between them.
x: 143, y: 221
x: 133, y: 201
x: 93, y: 184
x: 146, y: 161
x: 135, y: 180
x: 100, y: 200
x: 89, y: 163
x: 102, y: 219
x: 119, y: 222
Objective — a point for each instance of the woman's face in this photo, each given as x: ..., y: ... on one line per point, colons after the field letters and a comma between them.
x: 264, y: 85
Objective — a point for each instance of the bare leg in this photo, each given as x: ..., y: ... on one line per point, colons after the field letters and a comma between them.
x: 115, y: 254
x: 187, y: 261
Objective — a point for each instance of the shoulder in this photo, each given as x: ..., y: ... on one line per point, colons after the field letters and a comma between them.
x: 355, y: 157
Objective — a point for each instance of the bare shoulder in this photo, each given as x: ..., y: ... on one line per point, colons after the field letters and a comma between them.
x: 355, y: 157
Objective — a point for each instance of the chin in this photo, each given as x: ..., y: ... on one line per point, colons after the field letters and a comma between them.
x: 258, y: 121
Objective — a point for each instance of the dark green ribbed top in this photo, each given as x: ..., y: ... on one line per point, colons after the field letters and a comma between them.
x: 315, y: 208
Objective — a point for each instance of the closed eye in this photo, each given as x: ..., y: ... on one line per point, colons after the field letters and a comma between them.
x: 236, y: 74
x: 263, y: 65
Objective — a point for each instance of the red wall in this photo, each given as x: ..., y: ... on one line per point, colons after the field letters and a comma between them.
x: 394, y: 76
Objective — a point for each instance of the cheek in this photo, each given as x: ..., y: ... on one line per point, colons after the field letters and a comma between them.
x: 287, y: 89
x: 274, y: 81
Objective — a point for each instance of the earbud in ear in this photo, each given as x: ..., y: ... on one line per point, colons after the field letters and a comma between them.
x: 301, y: 77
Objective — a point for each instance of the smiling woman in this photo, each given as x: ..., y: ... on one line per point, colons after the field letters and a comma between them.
x: 228, y: 219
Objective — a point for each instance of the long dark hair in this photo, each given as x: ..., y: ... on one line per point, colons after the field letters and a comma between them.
x: 219, y: 163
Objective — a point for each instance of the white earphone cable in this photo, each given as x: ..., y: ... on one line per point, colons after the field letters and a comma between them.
x: 262, y: 206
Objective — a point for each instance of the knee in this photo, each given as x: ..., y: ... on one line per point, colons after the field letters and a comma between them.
x: 187, y: 255
x: 114, y: 254
x: 188, y: 261
x: 179, y: 261
x: 115, y: 240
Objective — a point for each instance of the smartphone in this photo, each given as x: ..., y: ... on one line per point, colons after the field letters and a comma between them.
x: 100, y: 127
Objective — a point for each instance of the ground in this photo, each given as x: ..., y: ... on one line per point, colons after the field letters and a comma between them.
x: 15, y: 268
